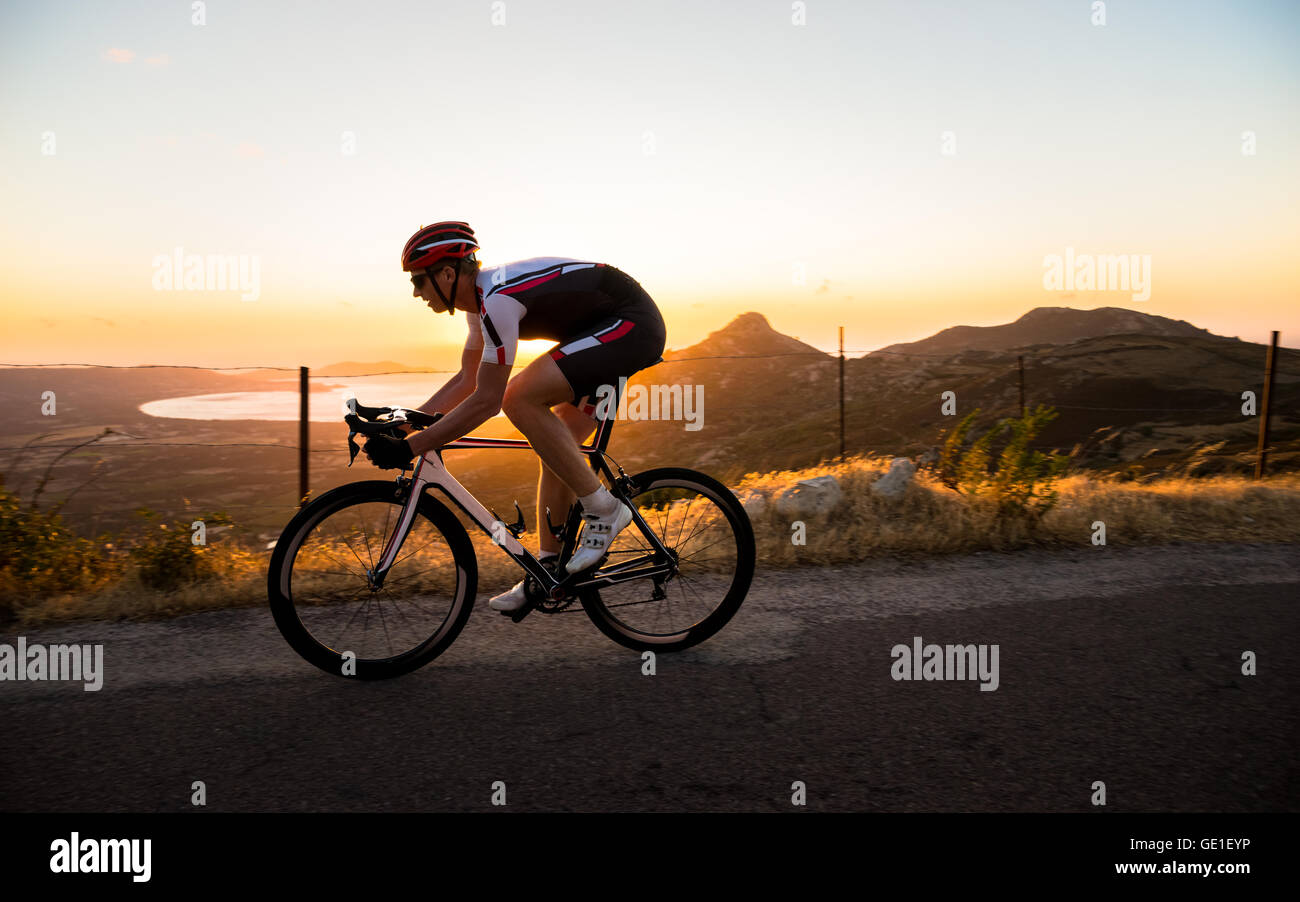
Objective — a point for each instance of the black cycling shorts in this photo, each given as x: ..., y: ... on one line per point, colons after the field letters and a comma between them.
x: 617, y: 346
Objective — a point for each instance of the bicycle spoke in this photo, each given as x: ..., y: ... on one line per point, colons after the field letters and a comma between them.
x: 369, y: 551
x: 702, y: 539
x: 696, y: 529
x: 336, y: 601
x: 384, y: 623
x: 348, y: 545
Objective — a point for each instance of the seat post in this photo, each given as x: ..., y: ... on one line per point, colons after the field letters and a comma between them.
x: 605, y: 426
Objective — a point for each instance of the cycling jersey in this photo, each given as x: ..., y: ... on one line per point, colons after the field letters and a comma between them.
x: 547, y: 297
x: 605, y: 324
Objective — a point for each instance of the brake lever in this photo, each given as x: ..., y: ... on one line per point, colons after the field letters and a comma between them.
x: 359, y: 416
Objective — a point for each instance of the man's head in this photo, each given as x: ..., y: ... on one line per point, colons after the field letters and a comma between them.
x: 440, y: 259
x: 447, y: 279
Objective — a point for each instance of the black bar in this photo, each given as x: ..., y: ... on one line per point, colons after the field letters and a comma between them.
x: 996, y: 851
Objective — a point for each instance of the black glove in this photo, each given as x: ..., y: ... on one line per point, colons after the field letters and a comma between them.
x: 388, y: 453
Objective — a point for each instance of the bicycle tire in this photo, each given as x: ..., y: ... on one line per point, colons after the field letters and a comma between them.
x: 321, y: 654
x: 608, y: 622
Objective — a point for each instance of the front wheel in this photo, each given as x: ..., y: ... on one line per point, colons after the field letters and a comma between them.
x: 709, y: 537
x: 333, y: 615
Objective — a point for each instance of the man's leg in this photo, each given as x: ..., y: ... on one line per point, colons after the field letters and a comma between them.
x: 528, y: 401
x: 552, y: 493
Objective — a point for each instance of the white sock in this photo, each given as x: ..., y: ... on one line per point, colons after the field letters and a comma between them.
x: 599, y: 503
x: 543, y: 555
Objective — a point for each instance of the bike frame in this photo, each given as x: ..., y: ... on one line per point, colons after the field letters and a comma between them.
x: 431, y: 472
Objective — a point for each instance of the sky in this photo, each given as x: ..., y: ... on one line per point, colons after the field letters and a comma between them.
x: 893, y: 168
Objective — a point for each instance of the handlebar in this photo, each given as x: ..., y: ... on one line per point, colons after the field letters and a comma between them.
x: 363, y: 420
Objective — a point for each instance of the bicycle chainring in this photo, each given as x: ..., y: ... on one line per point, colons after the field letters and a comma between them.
x: 544, y: 603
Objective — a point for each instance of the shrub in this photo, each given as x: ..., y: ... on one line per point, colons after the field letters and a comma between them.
x: 166, y: 555
x: 1002, y: 467
x: 40, y: 556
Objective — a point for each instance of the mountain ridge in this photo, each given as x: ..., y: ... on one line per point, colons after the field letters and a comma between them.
x: 750, y: 334
x: 1050, y: 326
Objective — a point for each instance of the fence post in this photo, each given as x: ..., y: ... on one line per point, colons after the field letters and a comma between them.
x: 841, y: 393
x: 302, y: 436
x: 1021, y: 362
x: 1262, y: 452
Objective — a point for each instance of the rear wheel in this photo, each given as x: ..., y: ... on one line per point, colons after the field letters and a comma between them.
x: 707, y: 534
x: 324, y: 603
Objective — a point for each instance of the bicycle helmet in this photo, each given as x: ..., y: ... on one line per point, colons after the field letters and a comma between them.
x: 436, y: 243
x: 440, y: 241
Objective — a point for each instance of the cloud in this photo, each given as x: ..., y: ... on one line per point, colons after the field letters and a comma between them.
x: 161, y: 60
x: 249, y: 150
x: 118, y: 55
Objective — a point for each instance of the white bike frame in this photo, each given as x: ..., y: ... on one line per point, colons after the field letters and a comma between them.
x: 430, y: 471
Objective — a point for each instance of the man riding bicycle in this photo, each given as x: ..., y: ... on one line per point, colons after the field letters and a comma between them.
x: 605, y: 326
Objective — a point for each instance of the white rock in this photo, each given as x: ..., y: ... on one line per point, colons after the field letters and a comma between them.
x: 894, y: 483
x: 753, y: 502
x: 810, y: 496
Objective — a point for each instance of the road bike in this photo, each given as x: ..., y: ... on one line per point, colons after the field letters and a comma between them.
x: 375, y: 579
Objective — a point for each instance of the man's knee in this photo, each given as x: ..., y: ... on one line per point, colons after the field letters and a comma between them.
x: 517, y: 399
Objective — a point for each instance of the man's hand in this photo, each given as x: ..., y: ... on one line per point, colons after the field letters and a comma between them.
x: 389, y: 453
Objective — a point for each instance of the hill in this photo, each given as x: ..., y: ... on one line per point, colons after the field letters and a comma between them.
x: 1047, y: 326
x: 1131, y: 389
x: 1157, y: 396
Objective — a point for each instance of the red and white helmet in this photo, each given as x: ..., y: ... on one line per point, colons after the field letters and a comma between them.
x: 440, y: 241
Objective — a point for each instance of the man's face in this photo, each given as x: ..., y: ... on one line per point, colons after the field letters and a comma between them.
x: 422, y: 288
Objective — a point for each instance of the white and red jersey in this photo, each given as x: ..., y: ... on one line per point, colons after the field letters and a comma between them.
x: 545, y: 297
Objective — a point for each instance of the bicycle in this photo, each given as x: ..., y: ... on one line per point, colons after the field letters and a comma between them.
x: 324, y: 572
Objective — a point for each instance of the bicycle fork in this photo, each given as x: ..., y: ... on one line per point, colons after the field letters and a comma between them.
x: 393, y: 544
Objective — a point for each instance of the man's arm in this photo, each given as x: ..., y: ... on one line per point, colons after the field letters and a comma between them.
x: 458, y: 387
x: 475, y: 410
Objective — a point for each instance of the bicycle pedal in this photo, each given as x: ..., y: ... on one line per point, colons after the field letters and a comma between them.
x: 520, y: 614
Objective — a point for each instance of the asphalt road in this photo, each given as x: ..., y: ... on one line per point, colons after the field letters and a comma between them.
x: 1115, y: 665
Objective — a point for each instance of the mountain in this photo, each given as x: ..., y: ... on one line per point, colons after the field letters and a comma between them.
x: 1047, y: 326
x: 1153, y: 395
x: 749, y: 334
x: 1131, y: 389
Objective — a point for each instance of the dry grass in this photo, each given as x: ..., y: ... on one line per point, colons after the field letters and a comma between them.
x: 928, y: 519
x: 932, y: 519
x: 240, y: 581
x: 1218, y: 509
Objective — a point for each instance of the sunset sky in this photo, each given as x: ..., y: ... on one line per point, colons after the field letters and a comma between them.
x: 711, y: 149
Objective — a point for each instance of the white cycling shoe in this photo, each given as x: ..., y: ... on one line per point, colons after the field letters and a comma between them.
x: 597, y: 535
x: 514, y: 598
x: 511, y: 600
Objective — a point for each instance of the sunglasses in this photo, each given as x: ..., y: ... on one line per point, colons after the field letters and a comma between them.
x: 417, y: 278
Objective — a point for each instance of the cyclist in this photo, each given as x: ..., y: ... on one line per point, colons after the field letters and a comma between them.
x: 605, y: 326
